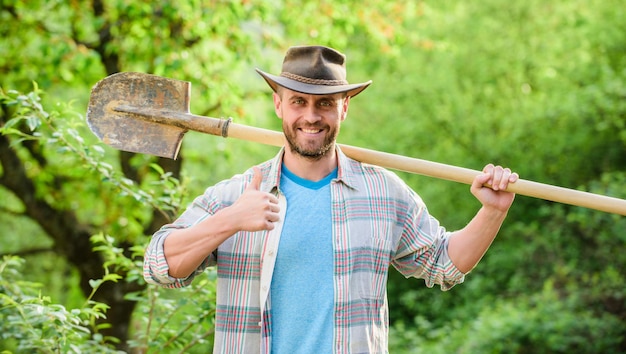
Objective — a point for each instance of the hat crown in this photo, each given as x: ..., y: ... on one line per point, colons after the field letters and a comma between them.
x: 315, y: 65
x: 315, y: 70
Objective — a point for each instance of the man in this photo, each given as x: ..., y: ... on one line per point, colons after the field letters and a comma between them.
x: 303, y: 242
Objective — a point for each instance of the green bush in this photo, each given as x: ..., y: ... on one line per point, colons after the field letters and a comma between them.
x: 546, y: 322
x: 30, y: 322
x: 166, y: 321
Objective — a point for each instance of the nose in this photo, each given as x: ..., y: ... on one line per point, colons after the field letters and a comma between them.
x: 311, y: 115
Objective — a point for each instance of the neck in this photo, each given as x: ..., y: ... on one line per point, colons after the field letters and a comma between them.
x: 310, y: 169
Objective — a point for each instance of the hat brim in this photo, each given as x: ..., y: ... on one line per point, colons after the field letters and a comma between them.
x: 275, y: 81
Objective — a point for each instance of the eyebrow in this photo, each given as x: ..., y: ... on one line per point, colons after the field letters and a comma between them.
x: 316, y: 98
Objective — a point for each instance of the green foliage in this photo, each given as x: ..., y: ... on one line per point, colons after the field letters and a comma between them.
x: 538, y: 86
x: 56, y: 132
x: 176, y: 321
x: 60, y: 136
x: 545, y: 322
x: 30, y: 322
x: 167, y: 320
x: 500, y: 82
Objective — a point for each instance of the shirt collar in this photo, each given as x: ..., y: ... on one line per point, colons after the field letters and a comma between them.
x: 347, y: 169
x: 346, y: 172
x: 273, y: 181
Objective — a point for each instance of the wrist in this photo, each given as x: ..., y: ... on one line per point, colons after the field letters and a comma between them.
x: 493, y: 212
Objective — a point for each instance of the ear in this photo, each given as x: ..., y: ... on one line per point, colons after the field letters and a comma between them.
x: 277, y: 104
x: 346, y: 103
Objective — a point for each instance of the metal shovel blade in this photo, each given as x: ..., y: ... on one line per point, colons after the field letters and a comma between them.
x: 120, y: 129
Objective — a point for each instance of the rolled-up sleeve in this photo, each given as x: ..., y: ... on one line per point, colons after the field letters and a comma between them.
x: 423, y: 252
x: 156, y: 269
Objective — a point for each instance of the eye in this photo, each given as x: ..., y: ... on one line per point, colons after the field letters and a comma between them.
x: 298, y: 101
x: 326, y: 103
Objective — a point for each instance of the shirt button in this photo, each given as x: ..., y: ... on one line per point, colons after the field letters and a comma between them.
x: 264, y: 288
x: 270, y: 253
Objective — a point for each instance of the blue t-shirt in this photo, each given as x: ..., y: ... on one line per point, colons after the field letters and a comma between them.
x: 302, y: 288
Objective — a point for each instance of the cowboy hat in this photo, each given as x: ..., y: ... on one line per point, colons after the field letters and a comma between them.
x: 314, y: 70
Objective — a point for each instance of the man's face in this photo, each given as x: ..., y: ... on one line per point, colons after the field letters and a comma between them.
x: 310, y: 122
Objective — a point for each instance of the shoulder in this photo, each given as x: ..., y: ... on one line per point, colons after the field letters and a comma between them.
x: 362, y: 171
x: 376, y: 179
x: 352, y: 167
x: 234, y: 186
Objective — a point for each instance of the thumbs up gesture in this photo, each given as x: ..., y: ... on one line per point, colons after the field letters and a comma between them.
x: 255, y: 210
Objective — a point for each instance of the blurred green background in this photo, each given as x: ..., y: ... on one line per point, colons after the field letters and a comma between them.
x: 539, y: 86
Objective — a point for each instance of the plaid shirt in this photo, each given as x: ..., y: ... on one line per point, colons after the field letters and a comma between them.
x: 377, y: 221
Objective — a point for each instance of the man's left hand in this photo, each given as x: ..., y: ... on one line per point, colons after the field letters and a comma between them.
x: 490, y: 187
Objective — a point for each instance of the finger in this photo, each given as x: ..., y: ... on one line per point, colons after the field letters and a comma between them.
x: 273, y: 199
x: 257, y: 177
x: 481, y: 180
x: 497, y: 178
x: 269, y: 225
x: 486, y: 178
x: 504, y: 180
x: 274, y: 208
x: 273, y: 217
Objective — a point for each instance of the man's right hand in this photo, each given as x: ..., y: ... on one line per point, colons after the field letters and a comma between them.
x: 255, y: 210
x: 185, y: 249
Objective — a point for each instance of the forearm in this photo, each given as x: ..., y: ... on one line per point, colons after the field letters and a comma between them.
x: 468, y: 245
x: 186, y: 249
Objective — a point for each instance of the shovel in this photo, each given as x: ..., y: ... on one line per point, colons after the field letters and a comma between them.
x: 149, y: 114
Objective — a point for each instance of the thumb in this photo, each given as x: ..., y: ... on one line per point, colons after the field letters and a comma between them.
x: 480, y: 181
x: 256, y: 179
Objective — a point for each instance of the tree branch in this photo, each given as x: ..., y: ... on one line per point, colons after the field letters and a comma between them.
x: 28, y: 252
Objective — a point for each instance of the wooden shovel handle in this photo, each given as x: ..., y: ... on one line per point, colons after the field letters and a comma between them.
x: 447, y: 172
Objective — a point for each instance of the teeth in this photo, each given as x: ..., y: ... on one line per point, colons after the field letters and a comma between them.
x: 311, y: 131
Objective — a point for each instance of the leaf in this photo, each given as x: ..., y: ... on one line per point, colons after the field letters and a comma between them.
x: 33, y: 123
x: 10, y: 123
x: 95, y: 283
x: 98, y: 149
x: 157, y: 168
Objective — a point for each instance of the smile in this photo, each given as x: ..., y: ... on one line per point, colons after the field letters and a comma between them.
x: 311, y: 131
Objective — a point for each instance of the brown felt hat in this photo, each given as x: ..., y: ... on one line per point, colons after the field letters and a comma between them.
x: 315, y: 70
